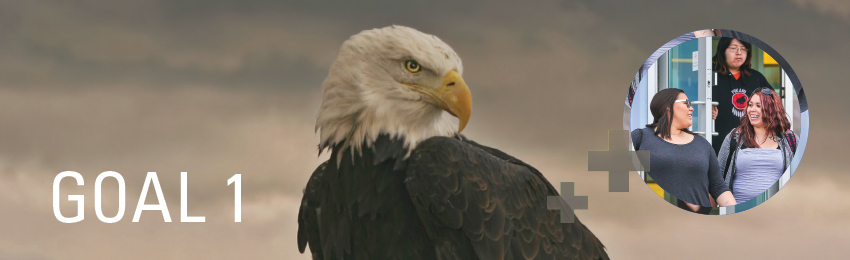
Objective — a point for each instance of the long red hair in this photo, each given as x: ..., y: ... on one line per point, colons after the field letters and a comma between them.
x: 772, y: 116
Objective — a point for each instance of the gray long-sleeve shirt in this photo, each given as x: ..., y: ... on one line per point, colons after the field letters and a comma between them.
x: 689, y: 172
x: 727, y: 150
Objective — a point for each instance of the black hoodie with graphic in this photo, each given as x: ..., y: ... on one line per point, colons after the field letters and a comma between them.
x: 733, y: 95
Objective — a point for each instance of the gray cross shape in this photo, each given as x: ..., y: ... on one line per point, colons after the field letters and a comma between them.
x: 567, y: 202
x: 618, y: 161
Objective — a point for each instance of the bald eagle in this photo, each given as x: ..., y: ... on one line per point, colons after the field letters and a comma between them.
x: 402, y: 183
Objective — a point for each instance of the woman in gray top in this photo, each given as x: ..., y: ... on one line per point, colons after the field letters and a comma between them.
x: 754, y: 155
x: 682, y: 164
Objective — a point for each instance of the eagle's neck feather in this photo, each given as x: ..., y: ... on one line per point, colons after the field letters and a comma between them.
x: 412, y: 121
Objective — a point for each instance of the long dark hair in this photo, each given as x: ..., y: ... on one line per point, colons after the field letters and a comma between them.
x: 662, y: 111
x: 719, y: 60
x: 772, y: 115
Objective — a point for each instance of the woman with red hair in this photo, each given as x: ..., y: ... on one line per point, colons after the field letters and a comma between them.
x: 756, y: 154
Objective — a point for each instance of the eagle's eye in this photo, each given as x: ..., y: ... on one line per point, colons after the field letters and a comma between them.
x: 412, y: 66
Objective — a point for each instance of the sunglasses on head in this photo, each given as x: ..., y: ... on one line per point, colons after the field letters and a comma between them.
x: 763, y: 90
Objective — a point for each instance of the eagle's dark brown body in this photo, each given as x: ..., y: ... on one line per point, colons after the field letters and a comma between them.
x: 451, y: 199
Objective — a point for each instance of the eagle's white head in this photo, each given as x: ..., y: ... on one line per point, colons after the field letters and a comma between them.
x: 394, y: 80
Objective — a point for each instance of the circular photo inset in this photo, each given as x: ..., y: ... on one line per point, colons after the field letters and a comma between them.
x: 723, y: 117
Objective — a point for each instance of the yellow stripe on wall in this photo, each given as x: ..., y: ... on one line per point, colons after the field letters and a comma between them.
x: 769, y: 60
x: 656, y: 188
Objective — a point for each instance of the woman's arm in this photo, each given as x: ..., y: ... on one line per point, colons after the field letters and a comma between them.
x: 716, y: 186
x: 726, y: 199
x: 636, y: 138
x: 724, y: 153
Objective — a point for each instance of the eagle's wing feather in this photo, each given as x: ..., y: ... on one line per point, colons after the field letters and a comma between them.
x: 476, y: 199
x: 308, y: 226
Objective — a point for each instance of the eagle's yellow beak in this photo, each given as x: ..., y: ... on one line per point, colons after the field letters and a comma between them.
x: 454, y: 97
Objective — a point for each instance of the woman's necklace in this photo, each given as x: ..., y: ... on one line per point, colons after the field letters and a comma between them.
x: 771, y: 137
x: 762, y: 142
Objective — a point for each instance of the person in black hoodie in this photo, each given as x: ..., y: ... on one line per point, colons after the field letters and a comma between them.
x: 736, y: 81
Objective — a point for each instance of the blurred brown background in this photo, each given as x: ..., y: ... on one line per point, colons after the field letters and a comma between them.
x: 216, y: 88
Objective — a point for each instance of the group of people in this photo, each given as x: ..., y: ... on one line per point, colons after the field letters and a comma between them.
x: 753, y: 150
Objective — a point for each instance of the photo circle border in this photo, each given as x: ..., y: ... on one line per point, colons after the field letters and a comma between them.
x: 792, y: 76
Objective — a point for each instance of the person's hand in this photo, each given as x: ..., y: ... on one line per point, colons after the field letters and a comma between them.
x: 726, y: 199
x: 693, y: 207
x: 713, y: 113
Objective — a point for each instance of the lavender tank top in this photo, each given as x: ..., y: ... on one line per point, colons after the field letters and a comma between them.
x: 756, y: 169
